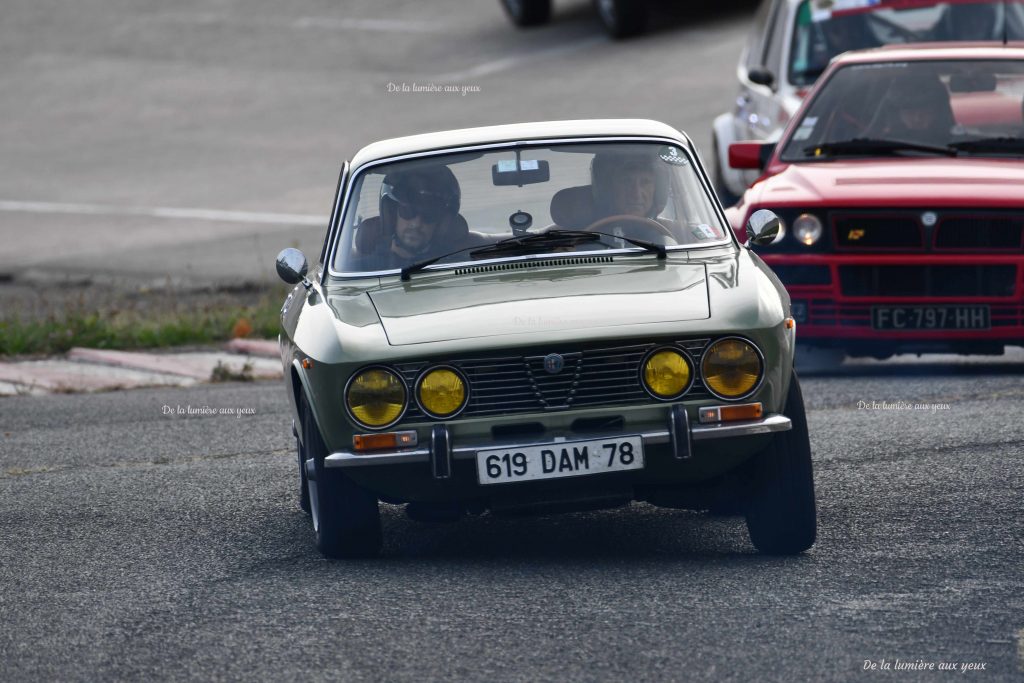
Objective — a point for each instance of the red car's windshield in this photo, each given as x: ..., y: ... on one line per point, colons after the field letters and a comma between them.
x: 826, y: 28
x: 954, y: 107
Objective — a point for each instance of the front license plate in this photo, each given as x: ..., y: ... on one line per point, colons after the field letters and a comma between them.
x: 930, y: 318
x: 556, y: 460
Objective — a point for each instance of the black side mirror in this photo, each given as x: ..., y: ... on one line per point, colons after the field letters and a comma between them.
x: 762, y: 76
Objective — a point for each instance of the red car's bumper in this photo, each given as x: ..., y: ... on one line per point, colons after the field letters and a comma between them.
x: 906, y: 302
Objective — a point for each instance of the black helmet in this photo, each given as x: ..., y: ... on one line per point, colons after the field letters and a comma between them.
x: 431, y: 192
x: 605, y: 165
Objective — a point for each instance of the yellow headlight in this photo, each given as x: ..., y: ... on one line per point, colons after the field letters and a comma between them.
x: 376, y: 397
x: 667, y: 373
x: 731, y: 368
x: 442, y: 392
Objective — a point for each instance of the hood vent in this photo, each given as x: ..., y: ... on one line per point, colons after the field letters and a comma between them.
x: 523, y: 265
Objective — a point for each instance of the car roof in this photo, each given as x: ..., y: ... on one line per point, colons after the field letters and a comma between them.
x: 517, y: 132
x: 933, y: 51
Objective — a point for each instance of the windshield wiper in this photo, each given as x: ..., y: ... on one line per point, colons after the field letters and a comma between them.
x: 871, y: 146
x: 553, y: 239
x: 529, y: 244
x: 1004, y: 144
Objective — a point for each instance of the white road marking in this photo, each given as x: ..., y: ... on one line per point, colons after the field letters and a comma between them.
x: 380, y: 25
x: 506, y: 63
x: 163, y: 212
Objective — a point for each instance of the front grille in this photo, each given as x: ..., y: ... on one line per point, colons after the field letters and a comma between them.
x: 591, y: 377
x: 803, y: 275
x: 937, y: 281
x: 980, y: 232
x: 859, y: 231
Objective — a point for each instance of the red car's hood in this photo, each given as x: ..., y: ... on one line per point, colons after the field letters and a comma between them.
x: 895, y: 182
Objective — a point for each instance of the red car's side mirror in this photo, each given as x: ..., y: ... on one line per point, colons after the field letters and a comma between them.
x: 750, y: 155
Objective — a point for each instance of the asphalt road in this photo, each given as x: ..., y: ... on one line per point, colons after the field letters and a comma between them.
x: 147, y: 139
x: 136, y: 545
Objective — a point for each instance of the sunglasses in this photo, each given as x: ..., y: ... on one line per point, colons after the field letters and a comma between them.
x: 430, y: 213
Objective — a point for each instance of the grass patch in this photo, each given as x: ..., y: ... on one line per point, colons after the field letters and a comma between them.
x: 137, y: 327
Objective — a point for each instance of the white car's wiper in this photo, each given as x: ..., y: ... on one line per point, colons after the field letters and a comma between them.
x: 529, y: 244
x: 870, y: 146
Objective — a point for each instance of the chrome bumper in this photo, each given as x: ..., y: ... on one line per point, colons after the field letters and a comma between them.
x: 698, y: 432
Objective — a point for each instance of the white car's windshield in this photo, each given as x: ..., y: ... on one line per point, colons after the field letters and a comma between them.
x: 955, y: 107
x: 826, y: 28
x: 481, y: 205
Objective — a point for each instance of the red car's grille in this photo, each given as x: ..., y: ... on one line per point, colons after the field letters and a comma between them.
x: 927, y: 281
x: 980, y: 232
x: 871, y: 232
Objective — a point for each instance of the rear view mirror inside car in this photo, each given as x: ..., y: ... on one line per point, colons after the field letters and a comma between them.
x: 521, y: 172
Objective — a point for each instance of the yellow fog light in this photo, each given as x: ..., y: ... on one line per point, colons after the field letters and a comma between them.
x: 441, y: 392
x: 376, y: 397
x: 732, y: 368
x: 667, y: 374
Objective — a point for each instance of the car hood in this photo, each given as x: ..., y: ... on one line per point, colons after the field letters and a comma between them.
x: 541, y: 301
x: 895, y: 182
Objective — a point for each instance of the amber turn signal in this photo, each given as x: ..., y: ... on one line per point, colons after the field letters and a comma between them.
x: 747, y: 411
x: 378, y: 442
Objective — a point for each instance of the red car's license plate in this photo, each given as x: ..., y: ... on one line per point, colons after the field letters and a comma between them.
x: 930, y: 317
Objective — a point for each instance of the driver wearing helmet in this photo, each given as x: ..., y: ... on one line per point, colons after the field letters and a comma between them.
x: 419, y: 219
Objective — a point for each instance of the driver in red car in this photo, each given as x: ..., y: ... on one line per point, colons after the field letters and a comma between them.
x: 916, y: 111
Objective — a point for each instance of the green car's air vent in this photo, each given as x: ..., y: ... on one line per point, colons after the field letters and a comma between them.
x: 545, y: 263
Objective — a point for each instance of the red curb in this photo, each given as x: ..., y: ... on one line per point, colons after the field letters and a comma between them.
x: 170, y: 365
x: 255, y: 347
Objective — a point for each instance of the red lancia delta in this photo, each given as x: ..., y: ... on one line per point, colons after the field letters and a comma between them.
x: 900, y: 186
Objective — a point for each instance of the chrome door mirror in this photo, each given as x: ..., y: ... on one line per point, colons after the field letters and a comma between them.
x: 763, y: 227
x: 292, y: 267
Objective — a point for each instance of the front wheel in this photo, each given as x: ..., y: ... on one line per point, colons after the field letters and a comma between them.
x: 781, y: 517
x: 528, y: 12
x: 622, y: 18
x: 346, y: 517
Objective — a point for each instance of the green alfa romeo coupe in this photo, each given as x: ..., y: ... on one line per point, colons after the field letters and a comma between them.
x: 538, y: 318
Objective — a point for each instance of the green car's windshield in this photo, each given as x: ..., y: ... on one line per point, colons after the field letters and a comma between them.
x: 466, y: 207
x: 942, y: 107
x: 826, y: 28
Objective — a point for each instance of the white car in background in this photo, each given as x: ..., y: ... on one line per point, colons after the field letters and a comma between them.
x: 792, y: 42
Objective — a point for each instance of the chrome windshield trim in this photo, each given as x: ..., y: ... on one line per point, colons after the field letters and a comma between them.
x: 342, y: 203
x: 768, y: 425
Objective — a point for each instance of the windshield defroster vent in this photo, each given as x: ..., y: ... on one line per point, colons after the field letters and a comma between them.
x: 522, y: 265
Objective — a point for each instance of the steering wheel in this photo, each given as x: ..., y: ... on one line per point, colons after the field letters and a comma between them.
x: 602, y: 223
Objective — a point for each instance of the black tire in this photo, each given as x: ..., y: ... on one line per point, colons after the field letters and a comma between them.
x: 303, y: 483
x: 622, y: 18
x: 725, y: 195
x: 781, y: 517
x: 528, y: 12
x: 346, y: 517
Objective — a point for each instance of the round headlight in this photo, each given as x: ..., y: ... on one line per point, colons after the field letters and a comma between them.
x: 667, y: 374
x: 441, y: 392
x: 376, y: 397
x: 731, y: 367
x: 807, y: 229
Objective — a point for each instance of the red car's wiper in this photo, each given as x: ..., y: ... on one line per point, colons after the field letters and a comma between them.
x: 1003, y: 144
x: 869, y: 146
